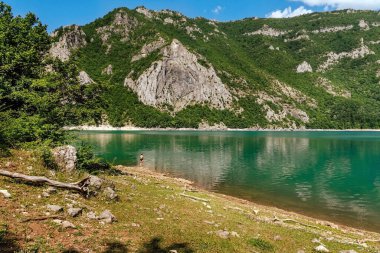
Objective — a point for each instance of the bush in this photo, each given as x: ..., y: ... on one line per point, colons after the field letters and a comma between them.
x: 87, y: 161
x: 261, y: 244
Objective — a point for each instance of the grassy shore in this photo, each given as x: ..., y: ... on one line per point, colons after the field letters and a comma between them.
x: 157, y: 213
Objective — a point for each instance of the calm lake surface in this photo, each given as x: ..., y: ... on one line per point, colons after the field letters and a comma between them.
x: 329, y: 175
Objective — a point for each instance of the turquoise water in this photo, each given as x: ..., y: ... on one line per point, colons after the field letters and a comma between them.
x: 329, y: 175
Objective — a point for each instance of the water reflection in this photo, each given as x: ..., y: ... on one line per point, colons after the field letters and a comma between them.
x: 329, y: 175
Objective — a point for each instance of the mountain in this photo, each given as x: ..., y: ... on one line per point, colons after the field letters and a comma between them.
x: 163, y: 69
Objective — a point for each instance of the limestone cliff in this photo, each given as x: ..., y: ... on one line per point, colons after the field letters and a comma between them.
x: 179, y: 80
x: 72, y: 38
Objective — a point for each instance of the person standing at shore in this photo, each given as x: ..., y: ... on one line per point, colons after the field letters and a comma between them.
x: 141, y: 159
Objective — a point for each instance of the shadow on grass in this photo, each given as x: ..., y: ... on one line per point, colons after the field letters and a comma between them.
x: 70, y: 250
x: 153, y: 246
x: 8, y: 242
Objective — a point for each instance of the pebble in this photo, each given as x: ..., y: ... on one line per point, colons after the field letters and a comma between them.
x: 277, y: 238
x: 135, y: 225
x: 321, y: 248
x: 234, y: 234
x: 67, y: 224
x: 348, y: 251
x: 54, y: 208
x: 222, y: 234
x: 92, y: 216
x: 6, y: 194
x: 209, y: 222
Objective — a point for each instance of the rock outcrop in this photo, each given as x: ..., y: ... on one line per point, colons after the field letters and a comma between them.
x: 122, y: 25
x: 304, y: 67
x: 363, y: 25
x: 108, y: 70
x: 266, y: 30
x: 334, y: 58
x: 333, y: 29
x: 84, y: 78
x: 179, y: 80
x: 65, y: 157
x: 329, y: 88
x: 149, y: 48
x: 72, y: 38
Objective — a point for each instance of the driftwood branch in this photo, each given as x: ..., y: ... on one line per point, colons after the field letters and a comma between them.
x: 79, y: 187
x: 42, y: 218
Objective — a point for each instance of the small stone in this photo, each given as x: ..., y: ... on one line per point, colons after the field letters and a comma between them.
x: 92, y: 216
x: 222, y: 234
x: 67, y: 224
x: 234, y: 234
x: 59, y: 222
x: 107, y: 217
x: 54, y: 208
x: 162, y: 207
x: 173, y: 251
x: 321, y: 248
x: 209, y: 222
x: 135, y: 225
x: 160, y: 218
x: 348, y: 251
x: 51, y: 190
x: 110, y: 194
x: 300, y: 251
x: 277, y: 238
x: 6, y: 194
x: 315, y: 240
x: 255, y: 211
x: 45, y: 195
x: 74, y: 212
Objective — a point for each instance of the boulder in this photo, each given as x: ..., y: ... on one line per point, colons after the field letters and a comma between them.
x: 74, y: 212
x: 107, y: 217
x: 6, y: 194
x: 304, y: 67
x: 84, y: 78
x: 110, y: 194
x: 65, y: 157
x: 321, y: 248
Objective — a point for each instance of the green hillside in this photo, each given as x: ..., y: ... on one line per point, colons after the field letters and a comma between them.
x: 258, y: 69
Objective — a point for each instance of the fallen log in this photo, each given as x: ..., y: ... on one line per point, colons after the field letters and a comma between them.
x: 80, y: 187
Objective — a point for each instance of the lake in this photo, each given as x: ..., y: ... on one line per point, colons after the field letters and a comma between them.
x: 329, y: 175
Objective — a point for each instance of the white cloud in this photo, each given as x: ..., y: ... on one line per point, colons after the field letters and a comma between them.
x: 344, y: 4
x: 217, y: 9
x: 289, y: 13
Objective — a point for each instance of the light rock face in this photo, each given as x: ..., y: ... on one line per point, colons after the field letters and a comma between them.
x: 179, y: 80
x: 304, y: 67
x: 84, y: 78
x: 329, y: 88
x: 65, y: 157
x: 108, y: 70
x: 122, y: 25
x: 266, y: 30
x: 333, y: 58
x: 72, y: 38
x: 333, y: 29
x: 149, y: 48
x: 147, y: 13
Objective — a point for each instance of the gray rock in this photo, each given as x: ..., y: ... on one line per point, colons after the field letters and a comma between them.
x: 54, y: 208
x: 223, y: 234
x: 84, y: 78
x: 108, y: 70
x: 179, y: 80
x: 110, y: 194
x: 6, y: 194
x: 72, y: 38
x: 65, y: 157
x: 348, y: 251
x: 321, y: 248
x: 304, y: 67
x: 92, y: 216
x: 74, y: 212
x: 107, y: 217
x: 67, y: 224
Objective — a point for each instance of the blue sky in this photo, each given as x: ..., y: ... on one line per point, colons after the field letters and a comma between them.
x: 56, y: 13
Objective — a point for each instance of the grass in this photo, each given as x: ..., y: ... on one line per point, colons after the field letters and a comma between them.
x: 153, y: 216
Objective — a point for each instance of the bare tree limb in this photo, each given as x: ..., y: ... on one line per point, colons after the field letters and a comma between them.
x: 42, y: 218
x: 79, y: 187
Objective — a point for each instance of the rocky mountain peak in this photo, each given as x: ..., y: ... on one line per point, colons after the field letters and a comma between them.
x: 72, y: 38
